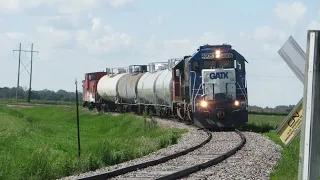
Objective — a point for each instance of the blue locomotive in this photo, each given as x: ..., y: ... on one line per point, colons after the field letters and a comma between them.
x: 213, y: 88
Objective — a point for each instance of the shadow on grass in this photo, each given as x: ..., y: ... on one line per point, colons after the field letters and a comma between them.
x: 257, y: 128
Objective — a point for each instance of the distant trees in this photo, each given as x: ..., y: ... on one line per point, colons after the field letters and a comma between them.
x: 62, y: 95
x: 42, y: 95
x: 277, y: 109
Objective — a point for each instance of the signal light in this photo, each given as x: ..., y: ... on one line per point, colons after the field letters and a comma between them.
x: 236, y: 103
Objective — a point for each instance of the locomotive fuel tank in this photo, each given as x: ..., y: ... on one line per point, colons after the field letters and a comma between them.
x: 146, y: 87
x: 108, y: 87
x: 163, y: 86
x: 127, y: 87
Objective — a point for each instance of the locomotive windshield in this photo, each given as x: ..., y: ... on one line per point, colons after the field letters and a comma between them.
x: 211, y: 64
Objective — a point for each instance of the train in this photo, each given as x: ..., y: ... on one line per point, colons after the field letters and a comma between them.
x: 207, y: 89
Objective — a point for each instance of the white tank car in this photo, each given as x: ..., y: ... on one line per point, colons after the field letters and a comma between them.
x: 146, y: 87
x: 127, y: 87
x: 108, y: 87
x: 163, y: 87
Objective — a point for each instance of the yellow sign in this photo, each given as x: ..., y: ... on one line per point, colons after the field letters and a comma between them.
x: 291, y: 126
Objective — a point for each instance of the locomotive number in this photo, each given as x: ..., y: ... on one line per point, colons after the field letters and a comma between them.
x: 207, y: 56
x: 226, y: 55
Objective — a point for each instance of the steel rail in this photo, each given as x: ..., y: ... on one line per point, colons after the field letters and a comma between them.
x: 198, y: 167
x: 135, y: 167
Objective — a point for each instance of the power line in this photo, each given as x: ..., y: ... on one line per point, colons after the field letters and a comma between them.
x: 25, y: 68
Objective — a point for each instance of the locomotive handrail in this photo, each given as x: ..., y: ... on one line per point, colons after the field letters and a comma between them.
x: 194, y: 100
x: 244, y: 94
x: 194, y: 83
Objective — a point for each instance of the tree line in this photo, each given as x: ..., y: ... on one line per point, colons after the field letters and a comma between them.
x: 41, y: 95
x: 64, y: 96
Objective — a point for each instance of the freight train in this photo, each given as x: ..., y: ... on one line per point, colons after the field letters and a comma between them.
x: 207, y: 89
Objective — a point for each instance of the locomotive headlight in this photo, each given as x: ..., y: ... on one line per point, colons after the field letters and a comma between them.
x: 204, y: 104
x: 218, y: 53
x: 236, y: 103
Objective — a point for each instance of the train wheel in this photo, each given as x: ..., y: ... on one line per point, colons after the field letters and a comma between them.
x: 161, y: 113
x: 90, y: 107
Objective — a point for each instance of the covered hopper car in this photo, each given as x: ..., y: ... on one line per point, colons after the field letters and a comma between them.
x: 208, y: 89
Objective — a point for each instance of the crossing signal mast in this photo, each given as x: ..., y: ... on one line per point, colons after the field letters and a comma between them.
x: 25, y: 67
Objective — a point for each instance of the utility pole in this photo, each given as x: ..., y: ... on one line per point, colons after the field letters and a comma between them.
x: 25, y: 68
x: 29, y: 94
x: 18, y: 71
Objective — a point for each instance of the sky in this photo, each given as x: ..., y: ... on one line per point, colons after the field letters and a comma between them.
x: 79, y: 36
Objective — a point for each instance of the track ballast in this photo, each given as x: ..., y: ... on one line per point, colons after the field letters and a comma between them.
x: 215, y: 148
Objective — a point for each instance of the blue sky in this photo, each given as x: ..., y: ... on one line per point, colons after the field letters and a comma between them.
x: 78, y: 36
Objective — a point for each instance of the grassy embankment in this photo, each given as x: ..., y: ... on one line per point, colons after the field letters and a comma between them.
x: 41, y: 142
x: 267, y: 124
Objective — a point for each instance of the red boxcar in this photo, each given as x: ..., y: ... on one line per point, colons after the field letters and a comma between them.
x: 89, y: 86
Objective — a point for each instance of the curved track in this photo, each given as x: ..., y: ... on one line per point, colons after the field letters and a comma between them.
x: 183, y: 163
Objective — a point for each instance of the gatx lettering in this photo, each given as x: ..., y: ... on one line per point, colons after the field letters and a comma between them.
x: 219, y: 75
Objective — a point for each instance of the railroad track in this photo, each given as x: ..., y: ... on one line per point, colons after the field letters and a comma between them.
x: 217, y: 147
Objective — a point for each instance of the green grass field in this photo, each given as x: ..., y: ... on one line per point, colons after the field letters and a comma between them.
x: 41, y: 142
x: 267, y: 124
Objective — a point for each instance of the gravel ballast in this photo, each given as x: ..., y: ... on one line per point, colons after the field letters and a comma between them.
x: 221, y: 143
x: 254, y: 161
x: 193, y: 137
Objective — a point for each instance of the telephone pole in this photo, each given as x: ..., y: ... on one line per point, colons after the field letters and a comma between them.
x: 18, y: 71
x: 29, y: 94
x: 25, y: 67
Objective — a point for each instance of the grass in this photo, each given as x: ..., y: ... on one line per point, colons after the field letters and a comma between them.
x: 289, y: 162
x: 41, y: 142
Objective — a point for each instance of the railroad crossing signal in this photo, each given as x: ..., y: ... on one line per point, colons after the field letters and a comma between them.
x: 295, y: 58
x: 309, y: 122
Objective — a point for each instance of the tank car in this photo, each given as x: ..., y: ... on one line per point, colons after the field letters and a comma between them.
x: 118, y: 91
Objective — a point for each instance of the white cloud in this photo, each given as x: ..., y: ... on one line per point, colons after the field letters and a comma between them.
x: 76, y: 6
x: 67, y: 7
x: 53, y: 33
x: 217, y: 38
x: 157, y: 21
x: 17, y: 5
x: 101, y: 38
x: 177, y: 41
x: 291, y: 13
x: 267, y: 32
x: 15, y: 35
x: 314, y: 25
x: 118, y: 3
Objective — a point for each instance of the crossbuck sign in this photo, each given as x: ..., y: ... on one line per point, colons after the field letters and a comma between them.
x: 309, y: 122
x: 295, y: 58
